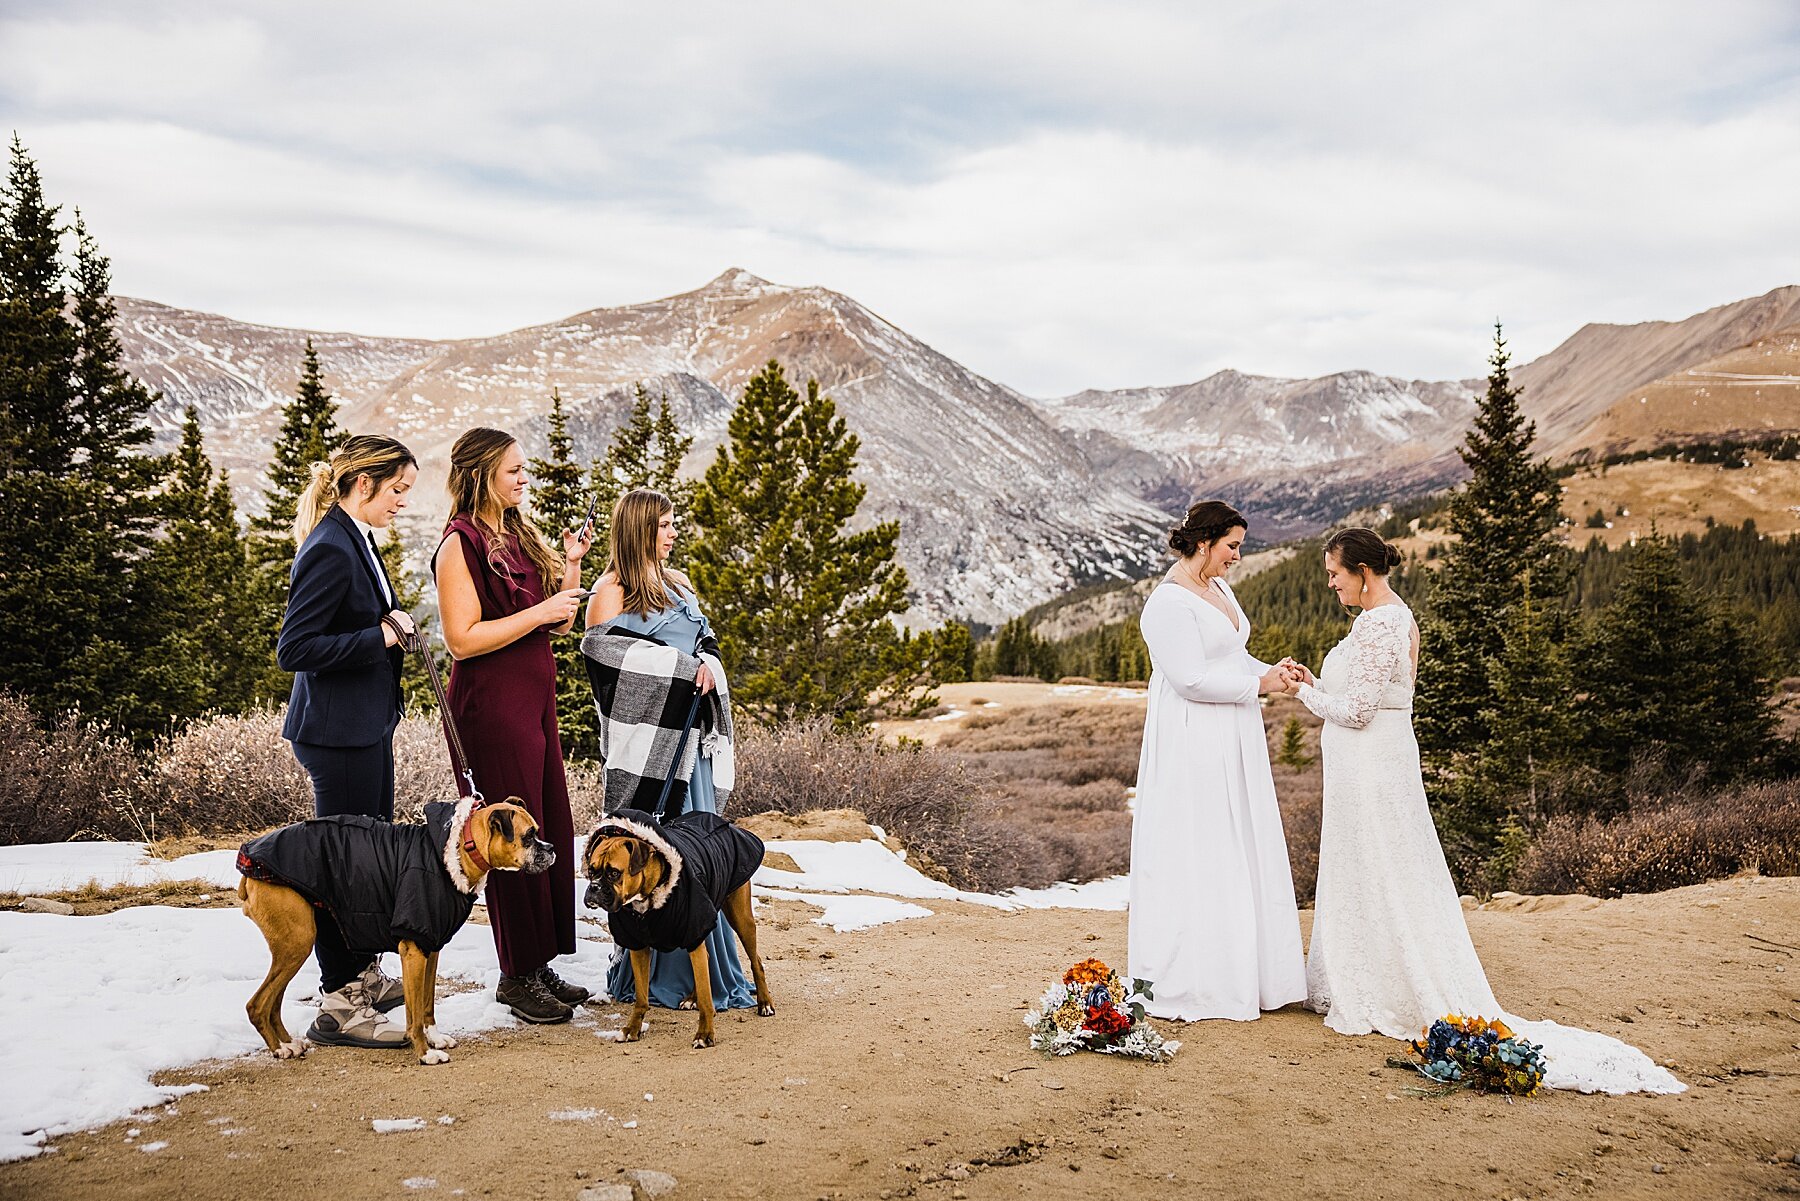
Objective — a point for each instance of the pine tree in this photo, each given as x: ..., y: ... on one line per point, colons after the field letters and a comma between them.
x: 309, y: 433
x: 556, y: 500
x: 1505, y: 520
x: 77, y: 502
x: 1531, y: 731
x: 1666, y: 672
x: 1293, y: 745
x: 557, y: 504
x: 803, y: 607
x: 192, y: 601
x: 645, y: 452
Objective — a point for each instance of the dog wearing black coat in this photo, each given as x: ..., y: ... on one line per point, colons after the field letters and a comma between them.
x: 389, y: 887
x: 663, y: 886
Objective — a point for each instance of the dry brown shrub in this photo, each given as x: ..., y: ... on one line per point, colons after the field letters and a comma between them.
x: 1684, y: 839
x: 232, y: 774
x: 69, y: 781
x: 1059, y: 780
x: 934, y: 803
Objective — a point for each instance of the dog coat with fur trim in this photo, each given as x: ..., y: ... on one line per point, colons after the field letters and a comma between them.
x: 709, y: 859
x: 380, y: 881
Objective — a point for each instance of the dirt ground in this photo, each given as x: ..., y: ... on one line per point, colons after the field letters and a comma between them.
x: 897, y: 1064
x: 960, y: 701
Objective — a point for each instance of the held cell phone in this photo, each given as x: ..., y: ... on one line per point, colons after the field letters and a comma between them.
x: 587, y: 523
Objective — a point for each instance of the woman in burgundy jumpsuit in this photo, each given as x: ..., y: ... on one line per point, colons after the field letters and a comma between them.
x: 502, y: 592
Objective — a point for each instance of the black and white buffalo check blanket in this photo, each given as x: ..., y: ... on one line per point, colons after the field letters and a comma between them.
x: 643, y: 689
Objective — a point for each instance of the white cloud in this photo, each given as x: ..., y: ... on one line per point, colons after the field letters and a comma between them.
x: 1061, y: 195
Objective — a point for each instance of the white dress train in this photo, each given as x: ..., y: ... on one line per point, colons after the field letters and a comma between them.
x: 1213, y: 923
x: 1390, y: 949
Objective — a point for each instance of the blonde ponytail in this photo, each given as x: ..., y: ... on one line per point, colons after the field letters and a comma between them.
x: 319, y: 495
x: 380, y: 458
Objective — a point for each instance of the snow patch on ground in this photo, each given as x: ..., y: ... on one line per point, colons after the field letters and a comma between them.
x: 396, y: 1125
x: 64, y: 866
x: 113, y: 999
x: 1110, y: 893
x: 847, y: 913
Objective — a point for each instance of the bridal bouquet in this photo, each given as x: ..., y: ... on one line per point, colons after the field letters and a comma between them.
x: 1476, y: 1053
x: 1092, y: 1010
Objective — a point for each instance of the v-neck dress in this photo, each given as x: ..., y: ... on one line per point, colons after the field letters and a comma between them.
x: 1213, y: 927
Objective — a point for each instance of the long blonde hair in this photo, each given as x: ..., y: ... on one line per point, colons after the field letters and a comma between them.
x: 474, y: 462
x: 374, y: 455
x: 631, y: 550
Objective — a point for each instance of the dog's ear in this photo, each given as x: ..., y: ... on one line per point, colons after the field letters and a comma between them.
x: 640, y: 857
x: 500, y: 824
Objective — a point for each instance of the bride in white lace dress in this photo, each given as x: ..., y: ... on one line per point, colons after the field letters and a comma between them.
x: 1390, y: 951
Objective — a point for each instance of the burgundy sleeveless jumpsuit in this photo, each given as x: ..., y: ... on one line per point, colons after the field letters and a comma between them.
x: 504, y: 704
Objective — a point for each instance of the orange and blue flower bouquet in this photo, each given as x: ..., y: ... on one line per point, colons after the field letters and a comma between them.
x: 1093, y: 1010
x: 1472, y: 1052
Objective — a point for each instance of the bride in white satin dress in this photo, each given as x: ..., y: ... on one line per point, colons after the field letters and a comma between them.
x: 1213, y: 924
x: 1390, y: 950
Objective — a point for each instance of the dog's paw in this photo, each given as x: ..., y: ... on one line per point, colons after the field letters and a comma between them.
x: 766, y: 1009
x: 442, y: 1042
x: 689, y: 1003
x: 296, y: 1049
x: 434, y: 1057
x: 702, y: 1041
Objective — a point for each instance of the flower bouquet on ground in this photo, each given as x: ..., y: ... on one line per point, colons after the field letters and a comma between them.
x: 1472, y: 1052
x: 1093, y: 1010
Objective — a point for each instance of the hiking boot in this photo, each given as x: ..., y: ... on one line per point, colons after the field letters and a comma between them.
x: 346, y: 1019
x: 562, y: 990
x: 529, y: 999
x: 384, y: 991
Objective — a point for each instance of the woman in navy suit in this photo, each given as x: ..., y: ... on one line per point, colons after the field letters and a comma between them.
x: 340, y: 637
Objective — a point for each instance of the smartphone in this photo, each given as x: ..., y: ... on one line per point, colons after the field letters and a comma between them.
x: 588, y: 522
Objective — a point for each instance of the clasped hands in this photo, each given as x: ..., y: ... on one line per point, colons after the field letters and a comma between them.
x: 1285, y: 678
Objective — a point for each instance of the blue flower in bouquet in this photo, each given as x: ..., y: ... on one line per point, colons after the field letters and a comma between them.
x: 1098, y: 997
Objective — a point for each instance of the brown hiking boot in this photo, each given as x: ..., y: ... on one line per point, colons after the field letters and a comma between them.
x: 529, y: 1000
x: 562, y: 990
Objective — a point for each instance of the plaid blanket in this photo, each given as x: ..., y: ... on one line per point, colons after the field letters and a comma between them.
x: 643, y: 689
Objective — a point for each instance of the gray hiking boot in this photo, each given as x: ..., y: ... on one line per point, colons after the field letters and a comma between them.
x: 346, y: 1019
x: 384, y: 991
x: 529, y: 999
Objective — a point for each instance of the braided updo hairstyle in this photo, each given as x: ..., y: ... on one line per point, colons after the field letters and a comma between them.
x: 1358, y: 548
x: 1207, y: 521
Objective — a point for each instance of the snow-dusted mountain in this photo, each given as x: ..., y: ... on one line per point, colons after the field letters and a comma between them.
x: 1004, y: 501
x: 998, y: 508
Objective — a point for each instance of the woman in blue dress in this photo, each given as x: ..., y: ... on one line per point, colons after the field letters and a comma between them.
x: 639, y: 592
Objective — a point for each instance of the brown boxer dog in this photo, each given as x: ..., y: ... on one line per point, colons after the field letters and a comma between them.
x: 480, y: 838
x: 629, y: 874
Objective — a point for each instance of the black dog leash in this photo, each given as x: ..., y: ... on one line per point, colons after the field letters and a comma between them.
x: 459, y: 759
x: 661, y: 812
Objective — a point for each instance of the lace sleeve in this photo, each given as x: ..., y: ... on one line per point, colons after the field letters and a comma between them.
x: 1375, y: 645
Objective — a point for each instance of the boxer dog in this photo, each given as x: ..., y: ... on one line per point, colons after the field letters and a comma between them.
x: 663, y: 886
x: 390, y: 887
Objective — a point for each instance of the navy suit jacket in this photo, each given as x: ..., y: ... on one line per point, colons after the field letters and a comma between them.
x: 346, y: 680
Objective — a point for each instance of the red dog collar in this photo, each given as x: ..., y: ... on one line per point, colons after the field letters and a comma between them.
x: 468, y: 840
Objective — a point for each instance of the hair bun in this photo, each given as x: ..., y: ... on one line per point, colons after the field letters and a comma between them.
x: 1206, y: 521
x: 322, y: 472
x: 1393, y: 555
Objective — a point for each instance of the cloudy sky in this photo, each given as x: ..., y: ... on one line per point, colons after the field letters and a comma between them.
x: 1059, y: 194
